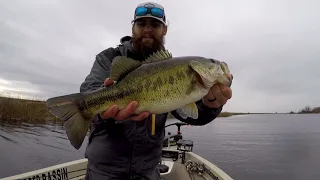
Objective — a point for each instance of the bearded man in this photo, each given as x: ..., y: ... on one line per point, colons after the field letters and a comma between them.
x: 119, y: 149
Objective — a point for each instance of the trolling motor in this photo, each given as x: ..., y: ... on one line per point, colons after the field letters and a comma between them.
x: 176, y: 137
x: 182, y: 145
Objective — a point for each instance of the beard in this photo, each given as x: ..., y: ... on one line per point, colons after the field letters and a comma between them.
x: 146, y: 49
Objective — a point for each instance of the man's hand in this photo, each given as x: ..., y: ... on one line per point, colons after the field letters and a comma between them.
x: 218, y: 95
x: 115, y: 113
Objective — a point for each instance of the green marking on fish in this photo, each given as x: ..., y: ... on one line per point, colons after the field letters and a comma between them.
x: 160, y: 84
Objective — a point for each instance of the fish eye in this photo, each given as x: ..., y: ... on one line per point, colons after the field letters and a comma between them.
x: 214, y: 61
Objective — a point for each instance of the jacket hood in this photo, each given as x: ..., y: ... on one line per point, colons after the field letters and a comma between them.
x: 125, y: 39
x: 125, y: 45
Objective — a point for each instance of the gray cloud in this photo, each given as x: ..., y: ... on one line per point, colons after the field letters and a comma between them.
x: 47, y: 48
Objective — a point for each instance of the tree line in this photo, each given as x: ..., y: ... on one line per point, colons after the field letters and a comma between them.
x: 307, y: 110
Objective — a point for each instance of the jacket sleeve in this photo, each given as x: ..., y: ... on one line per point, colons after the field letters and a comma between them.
x: 206, y: 114
x: 99, y: 71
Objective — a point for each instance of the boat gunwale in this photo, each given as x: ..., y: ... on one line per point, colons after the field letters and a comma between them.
x: 72, y: 164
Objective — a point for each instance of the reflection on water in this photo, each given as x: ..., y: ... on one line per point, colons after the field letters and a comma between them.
x: 247, y: 147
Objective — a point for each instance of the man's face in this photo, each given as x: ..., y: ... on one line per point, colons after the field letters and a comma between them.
x: 148, y: 35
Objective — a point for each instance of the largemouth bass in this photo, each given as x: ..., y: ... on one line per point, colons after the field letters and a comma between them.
x: 160, y: 84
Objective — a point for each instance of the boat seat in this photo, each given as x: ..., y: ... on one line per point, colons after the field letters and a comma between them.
x: 163, y: 168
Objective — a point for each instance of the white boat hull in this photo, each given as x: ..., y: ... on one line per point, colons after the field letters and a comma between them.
x: 71, y: 170
x: 76, y: 170
x: 176, y: 164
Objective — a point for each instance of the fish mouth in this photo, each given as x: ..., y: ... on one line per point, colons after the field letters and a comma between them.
x: 216, y: 72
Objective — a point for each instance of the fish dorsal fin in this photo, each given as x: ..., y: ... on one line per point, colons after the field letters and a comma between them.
x: 160, y: 55
x: 122, y: 65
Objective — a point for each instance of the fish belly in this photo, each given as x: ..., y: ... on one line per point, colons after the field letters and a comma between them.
x: 165, y: 105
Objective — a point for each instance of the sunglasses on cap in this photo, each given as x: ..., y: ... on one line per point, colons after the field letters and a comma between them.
x: 156, y: 12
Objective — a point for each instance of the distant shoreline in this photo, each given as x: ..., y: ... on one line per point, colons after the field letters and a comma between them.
x: 35, y: 111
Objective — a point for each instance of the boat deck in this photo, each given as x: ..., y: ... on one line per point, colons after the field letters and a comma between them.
x: 179, y: 172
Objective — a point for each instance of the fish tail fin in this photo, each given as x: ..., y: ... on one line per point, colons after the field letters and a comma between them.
x: 70, y: 109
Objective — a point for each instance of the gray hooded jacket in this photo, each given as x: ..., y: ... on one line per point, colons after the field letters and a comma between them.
x: 127, y: 149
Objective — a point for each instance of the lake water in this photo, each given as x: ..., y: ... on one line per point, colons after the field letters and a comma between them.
x: 247, y: 147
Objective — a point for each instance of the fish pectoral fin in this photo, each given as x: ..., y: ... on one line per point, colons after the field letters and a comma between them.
x: 76, y: 122
x: 122, y: 65
x: 159, y: 56
x: 202, y: 72
x: 190, y: 110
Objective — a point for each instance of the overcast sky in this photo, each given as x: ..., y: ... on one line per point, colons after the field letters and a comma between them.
x: 47, y: 48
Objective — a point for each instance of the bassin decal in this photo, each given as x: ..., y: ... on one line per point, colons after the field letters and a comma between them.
x: 58, y: 174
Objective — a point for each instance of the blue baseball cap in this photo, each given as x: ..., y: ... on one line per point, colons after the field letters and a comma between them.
x: 151, y: 10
